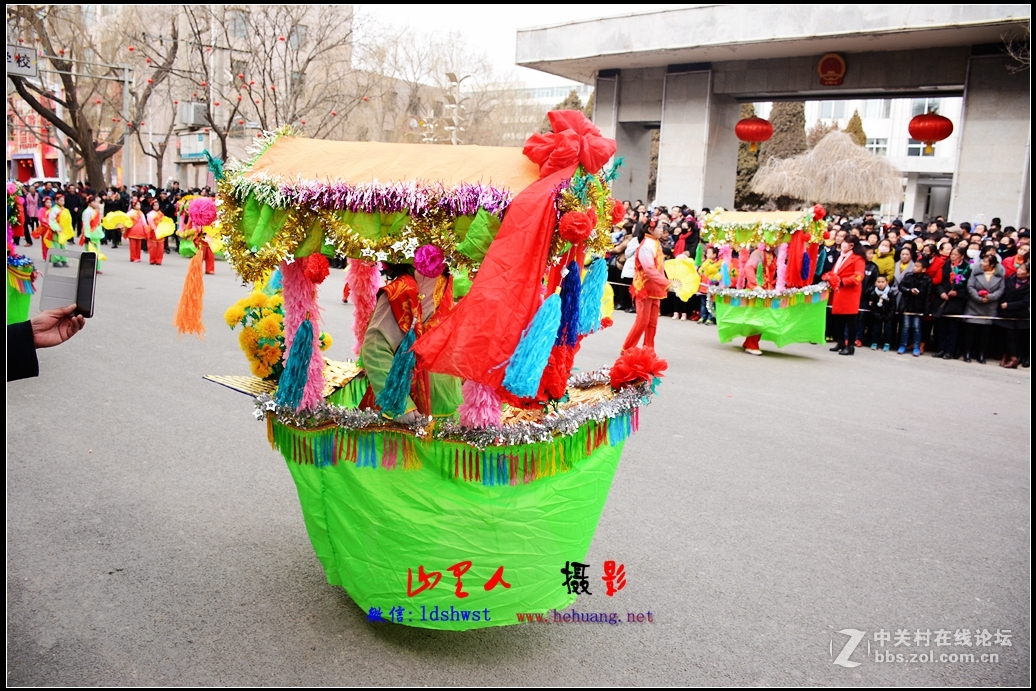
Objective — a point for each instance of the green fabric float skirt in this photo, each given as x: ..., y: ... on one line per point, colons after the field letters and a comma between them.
x: 17, y: 305
x: 799, y: 323
x: 394, y: 519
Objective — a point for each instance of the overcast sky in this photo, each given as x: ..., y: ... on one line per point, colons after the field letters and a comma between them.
x: 493, y: 28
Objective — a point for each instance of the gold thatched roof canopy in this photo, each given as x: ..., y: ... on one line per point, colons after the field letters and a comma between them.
x: 364, y: 162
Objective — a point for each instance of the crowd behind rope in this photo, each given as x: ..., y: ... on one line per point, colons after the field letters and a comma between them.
x: 953, y: 290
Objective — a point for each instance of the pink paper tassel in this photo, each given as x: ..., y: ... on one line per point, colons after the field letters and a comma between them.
x: 364, y: 281
x: 481, y: 407
x: 782, y: 265
x: 742, y: 261
x: 300, y: 300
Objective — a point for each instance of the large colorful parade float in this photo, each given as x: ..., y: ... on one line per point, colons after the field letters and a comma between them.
x: 767, y: 289
x: 460, y: 446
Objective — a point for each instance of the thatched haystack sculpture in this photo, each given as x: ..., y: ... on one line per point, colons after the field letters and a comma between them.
x: 836, y: 171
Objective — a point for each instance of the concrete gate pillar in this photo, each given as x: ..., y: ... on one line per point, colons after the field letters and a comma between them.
x: 994, y: 144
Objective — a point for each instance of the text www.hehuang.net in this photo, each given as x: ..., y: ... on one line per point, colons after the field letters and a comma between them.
x: 576, y: 617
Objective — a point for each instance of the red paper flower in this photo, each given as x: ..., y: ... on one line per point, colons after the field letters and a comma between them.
x: 606, y: 322
x: 618, y: 212
x: 818, y: 212
x: 574, y: 140
x: 317, y: 267
x: 637, y: 365
x: 575, y: 227
x: 554, y: 382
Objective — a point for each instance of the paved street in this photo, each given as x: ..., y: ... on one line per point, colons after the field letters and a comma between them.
x: 765, y: 505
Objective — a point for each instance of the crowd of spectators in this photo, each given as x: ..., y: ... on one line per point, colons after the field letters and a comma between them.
x: 929, y: 286
x: 114, y: 198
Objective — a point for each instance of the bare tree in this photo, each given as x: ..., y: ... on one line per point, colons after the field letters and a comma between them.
x: 84, y: 63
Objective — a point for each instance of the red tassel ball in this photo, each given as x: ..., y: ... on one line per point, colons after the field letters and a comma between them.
x: 637, y: 365
x: 317, y: 268
x: 575, y: 227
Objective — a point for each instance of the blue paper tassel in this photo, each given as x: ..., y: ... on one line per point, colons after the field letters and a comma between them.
x: 805, y: 266
x: 296, y: 370
x: 275, y: 283
x: 392, y: 398
x: 590, y: 297
x: 568, y: 330
x: 529, y: 359
x: 726, y: 275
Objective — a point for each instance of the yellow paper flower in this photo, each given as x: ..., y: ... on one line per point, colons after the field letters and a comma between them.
x: 249, y: 340
x: 325, y: 340
x: 270, y: 355
x: 275, y: 301
x: 257, y: 299
x: 268, y: 327
x: 261, y: 369
x: 234, y: 315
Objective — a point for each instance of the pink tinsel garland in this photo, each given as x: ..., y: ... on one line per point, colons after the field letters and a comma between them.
x: 481, y: 407
x: 300, y: 300
x: 742, y: 261
x: 364, y: 281
x: 782, y: 266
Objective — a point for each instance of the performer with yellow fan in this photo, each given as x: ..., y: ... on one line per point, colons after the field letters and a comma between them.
x: 93, y: 233
x: 59, y: 220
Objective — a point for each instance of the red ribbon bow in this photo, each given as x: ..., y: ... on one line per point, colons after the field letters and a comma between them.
x: 574, y: 140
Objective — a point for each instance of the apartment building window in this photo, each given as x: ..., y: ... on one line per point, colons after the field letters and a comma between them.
x: 920, y: 106
x: 238, y: 67
x: 297, y: 37
x: 878, y: 146
x: 832, y: 110
x: 877, y: 108
x: 237, y: 23
x: 298, y: 81
x: 916, y: 148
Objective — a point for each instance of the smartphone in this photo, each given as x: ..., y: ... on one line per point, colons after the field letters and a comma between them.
x: 86, y: 287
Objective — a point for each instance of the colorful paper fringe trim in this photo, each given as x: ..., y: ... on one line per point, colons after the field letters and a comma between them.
x: 512, y: 465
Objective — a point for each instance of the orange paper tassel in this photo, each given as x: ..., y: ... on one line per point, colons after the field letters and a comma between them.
x: 188, y: 312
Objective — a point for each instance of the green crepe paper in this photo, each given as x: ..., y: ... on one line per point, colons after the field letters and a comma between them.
x: 374, y: 226
x: 461, y: 283
x: 260, y: 222
x: 369, y: 525
x: 796, y: 324
x: 17, y: 305
x: 187, y: 248
x: 313, y: 242
x: 350, y: 395
x: 481, y: 231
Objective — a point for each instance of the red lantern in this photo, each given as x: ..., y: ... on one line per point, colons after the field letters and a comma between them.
x: 239, y: 97
x: 204, y: 84
x: 98, y: 101
x: 930, y: 128
x: 216, y: 103
x: 272, y: 87
x: 240, y: 122
x: 241, y: 76
x: 303, y: 122
x: 753, y: 130
x: 130, y: 49
x: 176, y: 103
x: 150, y: 81
x: 147, y: 60
x: 280, y: 38
x: 334, y: 113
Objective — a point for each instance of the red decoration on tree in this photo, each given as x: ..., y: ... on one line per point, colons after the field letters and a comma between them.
x: 251, y: 83
x: 317, y: 268
x: 753, y: 130
x: 176, y: 103
x: 204, y: 84
x: 241, y: 76
x: 303, y: 122
x: 575, y: 227
x: 147, y: 60
x: 61, y: 52
x: 240, y: 122
x: 574, y: 140
x: 365, y: 99
x: 930, y: 128
x: 130, y: 49
x: 272, y: 87
x: 257, y: 101
x: 618, y: 212
x: 239, y: 97
x: 280, y: 38
x: 150, y: 81
x: 98, y: 101
x: 334, y: 113
x: 637, y: 365
x: 215, y: 103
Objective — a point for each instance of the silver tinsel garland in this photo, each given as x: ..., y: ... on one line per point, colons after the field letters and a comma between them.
x: 757, y: 293
x: 562, y: 422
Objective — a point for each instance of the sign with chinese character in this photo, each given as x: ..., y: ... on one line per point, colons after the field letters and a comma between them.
x: 21, y: 61
x: 831, y: 69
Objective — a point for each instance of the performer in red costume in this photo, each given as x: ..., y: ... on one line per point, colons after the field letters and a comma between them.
x: 761, y: 256
x: 846, y: 281
x: 138, y: 232
x: 155, y: 247
x: 649, y: 288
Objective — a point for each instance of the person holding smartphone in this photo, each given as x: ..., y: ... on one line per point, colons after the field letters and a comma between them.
x: 45, y: 330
